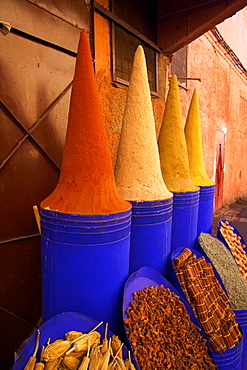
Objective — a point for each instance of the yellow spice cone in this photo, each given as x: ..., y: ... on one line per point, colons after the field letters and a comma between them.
x: 86, y: 184
x: 194, y: 144
x: 137, y: 172
x: 172, y: 145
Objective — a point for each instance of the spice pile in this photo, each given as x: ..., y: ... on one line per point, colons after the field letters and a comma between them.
x: 208, y: 300
x: 236, y: 247
x: 161, y: 333
x: 225, y: 265
x: 78, y: 351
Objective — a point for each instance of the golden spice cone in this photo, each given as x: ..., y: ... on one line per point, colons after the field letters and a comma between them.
x: 193, y: 138
x: 32, y: 360
x: 137, y: 170
x: 172, y: 145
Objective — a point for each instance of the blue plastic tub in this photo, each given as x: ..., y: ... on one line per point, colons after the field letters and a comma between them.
x: 146, y: 277
x: 150, y: 239
x: 55, y: 328
x: 206, y: 209
x: 231, y: 359
x: 185, y: 219
x: 241, y: 317
x: 221, y: 237
x: 199, y: 254
x: 85, y: 263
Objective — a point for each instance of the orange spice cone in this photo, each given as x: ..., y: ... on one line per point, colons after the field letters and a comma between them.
x: 194, y: 144
x: 137, y: 171
x: 86, y: 184
x: 172, y: 145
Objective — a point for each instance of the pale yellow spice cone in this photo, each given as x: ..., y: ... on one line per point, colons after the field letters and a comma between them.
x: 137, y: 172
x: 172, y: 145
x: 194, y: 144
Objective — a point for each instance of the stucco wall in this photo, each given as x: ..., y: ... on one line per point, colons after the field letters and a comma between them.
x: 236, y: 39
x: 113, y: 95
x: 222, y: 94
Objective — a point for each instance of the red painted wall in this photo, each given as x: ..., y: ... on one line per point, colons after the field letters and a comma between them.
x: 223, y: 106
x: 222, y: 98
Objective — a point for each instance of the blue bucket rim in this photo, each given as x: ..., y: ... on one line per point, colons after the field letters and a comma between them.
x: 174, y: 254
x: 235, y: 231
x: 156, y: 279
x: 58, y: 321
x: 150, y: 203
x: 85, y: 217
x: 187, y: 193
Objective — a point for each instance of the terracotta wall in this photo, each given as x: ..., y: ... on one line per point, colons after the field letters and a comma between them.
x: 113, y: 95
x: 222, y: 95
x: 223, y: 106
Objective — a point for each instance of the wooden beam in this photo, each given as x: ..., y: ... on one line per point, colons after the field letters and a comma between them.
x: 182, y: 26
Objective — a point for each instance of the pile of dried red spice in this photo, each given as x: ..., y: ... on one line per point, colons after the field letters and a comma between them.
x: 161, y: 333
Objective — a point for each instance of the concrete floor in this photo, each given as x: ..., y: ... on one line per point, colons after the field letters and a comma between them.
x: 236, y: 214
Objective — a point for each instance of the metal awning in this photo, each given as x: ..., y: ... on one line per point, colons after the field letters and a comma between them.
x: 181, y: 22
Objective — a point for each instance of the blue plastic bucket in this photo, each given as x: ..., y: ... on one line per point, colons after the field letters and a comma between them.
x: 206, y: 209
x: 150, y: 238
x: 146, y: 277
x: 231, y: 359
x: 198, y: 254
x: 241, y: 317
x: 85, y: 263
x: 221, y: 237
x: 185, y: 219
x: 55, y: 328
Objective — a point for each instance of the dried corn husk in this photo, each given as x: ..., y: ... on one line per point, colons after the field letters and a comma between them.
x: 53, y: 365
x: 111, y: 366
x: 105, y: 341
x: 116, y: 344
x: 105, y: 360
x: 70, y: 362
x: 95, y: 358
x: 71, y: 335
x: 128, y: 363
x: 84, y: 364
x: 120, y: 363
x: 78, y: 354
x: 106, y: 357
x: 55, y: 350
x: 85, y: 361
x: 81, y: 344
x: 39, y: 366
x: 32, y: 360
